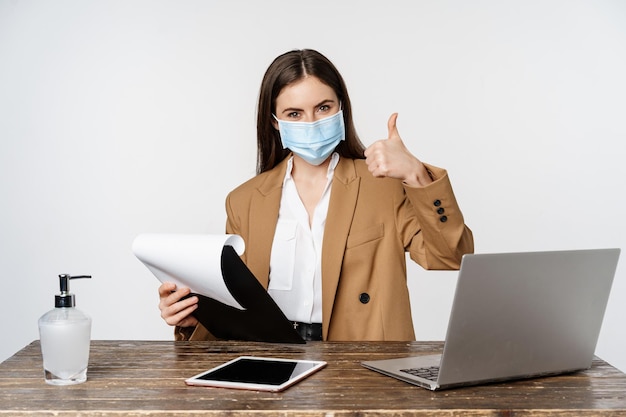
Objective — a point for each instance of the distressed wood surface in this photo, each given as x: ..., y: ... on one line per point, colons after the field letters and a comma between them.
x: 136, y: 378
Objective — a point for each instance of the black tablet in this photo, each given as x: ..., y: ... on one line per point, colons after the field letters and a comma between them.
x: 257, y: 373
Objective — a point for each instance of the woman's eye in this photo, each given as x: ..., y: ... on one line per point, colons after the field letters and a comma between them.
x: 293, y: 115
x: 323, y: 108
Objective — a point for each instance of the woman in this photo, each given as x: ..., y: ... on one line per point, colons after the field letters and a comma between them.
x: 327, y: 222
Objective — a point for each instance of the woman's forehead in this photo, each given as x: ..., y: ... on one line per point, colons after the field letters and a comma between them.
x: 306, y: 92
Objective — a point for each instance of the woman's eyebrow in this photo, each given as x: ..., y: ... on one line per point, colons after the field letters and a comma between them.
x: 327, y: 101
x: 291, y: 109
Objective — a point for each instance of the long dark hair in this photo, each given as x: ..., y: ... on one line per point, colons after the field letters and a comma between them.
x: 284, y: 70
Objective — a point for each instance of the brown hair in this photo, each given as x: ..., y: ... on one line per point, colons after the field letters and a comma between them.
x: 284, y: 70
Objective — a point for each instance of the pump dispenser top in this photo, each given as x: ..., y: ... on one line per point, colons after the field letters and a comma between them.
x: 66, y: 299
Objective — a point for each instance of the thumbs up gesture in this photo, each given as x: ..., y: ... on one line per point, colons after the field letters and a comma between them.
x: 390, y: 158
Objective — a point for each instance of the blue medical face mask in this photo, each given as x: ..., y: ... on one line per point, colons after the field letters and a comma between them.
x: 313, y: 141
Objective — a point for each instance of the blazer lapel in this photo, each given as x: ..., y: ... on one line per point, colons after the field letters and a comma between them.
x: 263, y: 216
x: 343, y: 197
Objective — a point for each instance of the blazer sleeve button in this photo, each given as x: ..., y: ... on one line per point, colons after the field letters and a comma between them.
x: 364, y: 298
x: 437, y: 203
x: 440, y: 210
x: 443, y: 219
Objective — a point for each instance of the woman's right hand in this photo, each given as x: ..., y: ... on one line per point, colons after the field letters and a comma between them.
x: 174, y: 311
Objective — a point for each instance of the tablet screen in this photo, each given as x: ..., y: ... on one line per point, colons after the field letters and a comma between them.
x: 247, y: 372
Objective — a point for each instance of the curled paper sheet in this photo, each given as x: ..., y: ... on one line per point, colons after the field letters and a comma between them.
x: 189, y: 260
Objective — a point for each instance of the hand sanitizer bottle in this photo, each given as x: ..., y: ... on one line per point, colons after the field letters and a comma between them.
x: 65, y: 334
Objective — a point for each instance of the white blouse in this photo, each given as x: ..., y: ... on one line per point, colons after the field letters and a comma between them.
x: 296, y: 260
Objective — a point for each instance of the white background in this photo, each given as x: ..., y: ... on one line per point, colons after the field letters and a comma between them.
x: 124, y: 117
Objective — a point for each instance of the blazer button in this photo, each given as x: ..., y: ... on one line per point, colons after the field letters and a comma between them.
x: 440, y: 210
x: 443, y: 219
x: 437, y: 203
x: 364, y: 298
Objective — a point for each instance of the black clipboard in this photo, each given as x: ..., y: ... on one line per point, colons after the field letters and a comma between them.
x: 260, y: 321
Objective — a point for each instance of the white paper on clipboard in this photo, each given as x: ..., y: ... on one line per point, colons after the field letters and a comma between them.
x: 189, y: 260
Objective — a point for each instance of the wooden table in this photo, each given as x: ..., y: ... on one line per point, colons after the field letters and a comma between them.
x: 147, y: 378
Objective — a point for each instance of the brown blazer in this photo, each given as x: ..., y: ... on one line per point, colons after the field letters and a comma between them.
x: 371, y: 223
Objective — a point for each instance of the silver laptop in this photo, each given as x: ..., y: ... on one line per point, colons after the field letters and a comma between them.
x: 514, y: 316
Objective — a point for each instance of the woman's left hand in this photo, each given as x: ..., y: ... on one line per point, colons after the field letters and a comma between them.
x: 390, y: 158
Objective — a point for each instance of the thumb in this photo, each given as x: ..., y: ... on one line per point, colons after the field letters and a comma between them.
x: 391, y: 126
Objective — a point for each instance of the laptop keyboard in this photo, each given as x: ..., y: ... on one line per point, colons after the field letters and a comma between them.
x: 429, y: 373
